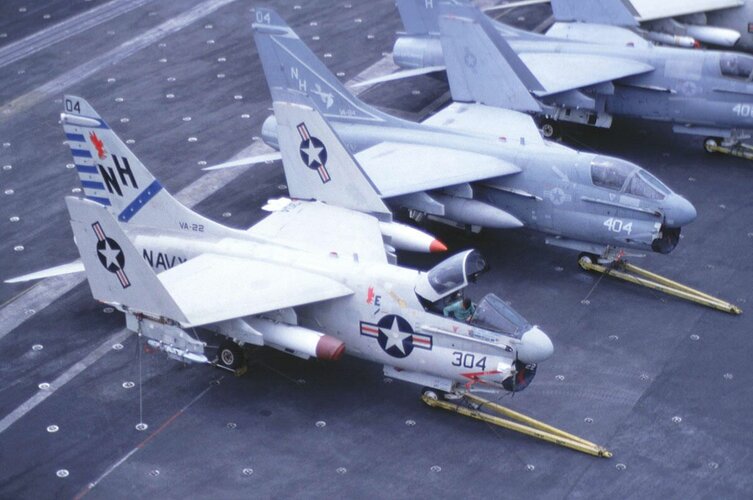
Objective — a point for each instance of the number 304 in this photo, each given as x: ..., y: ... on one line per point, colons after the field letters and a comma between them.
x: 468, y: 360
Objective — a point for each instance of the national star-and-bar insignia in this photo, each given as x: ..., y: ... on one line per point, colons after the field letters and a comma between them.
x: 313, y: 153
x: 395, y: 336
x: 110, y: 255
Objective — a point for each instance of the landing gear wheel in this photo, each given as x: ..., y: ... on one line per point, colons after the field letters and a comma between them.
x: 230, y: 355
x: 711, y: 143
x: 432, y: 393
x: 591, y: 258
x: 549, y: 129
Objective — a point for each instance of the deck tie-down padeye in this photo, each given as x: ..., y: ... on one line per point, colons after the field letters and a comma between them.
x: 513, y: 420
x: 621, y: 269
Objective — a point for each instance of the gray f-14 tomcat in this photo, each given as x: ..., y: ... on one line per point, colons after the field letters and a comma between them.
x: 310, y: 279
x: 475, y: 165
x: 581, y: 76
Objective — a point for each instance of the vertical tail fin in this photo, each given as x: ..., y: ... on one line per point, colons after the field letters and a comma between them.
x: 419, y: 16
x: 481, y: 65
x: 290, y: 65
x: 614, y: 12
x: 317, y: 164
x: 116, y: 272
x: 113, y: 176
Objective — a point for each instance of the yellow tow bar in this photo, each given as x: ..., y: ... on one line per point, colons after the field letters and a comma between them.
x: 525, y: 425
x: 622, y: 270
x: 740, y: 150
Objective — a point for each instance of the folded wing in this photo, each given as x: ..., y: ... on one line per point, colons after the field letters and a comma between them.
x: 559, y: 72
x: 212, y: 288
x: 401, y: 168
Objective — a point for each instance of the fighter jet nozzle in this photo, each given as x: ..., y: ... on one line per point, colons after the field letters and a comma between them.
x: 269, y: 132
x: 535, y: 346
x: 678, y: 211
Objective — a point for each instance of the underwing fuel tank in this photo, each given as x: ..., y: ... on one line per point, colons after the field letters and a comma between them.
x: 409, y: 238
x: 714, y: 35
x: 469, y: 211
x: 297, y: 340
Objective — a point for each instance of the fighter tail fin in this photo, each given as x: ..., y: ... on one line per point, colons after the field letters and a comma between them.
x: 419, y: 16
x: 116, y: 272
x: 317, y: 164
x: 113, y: 176
x: 614, y: 12
x: 481, y: 65
x: 290, y: 65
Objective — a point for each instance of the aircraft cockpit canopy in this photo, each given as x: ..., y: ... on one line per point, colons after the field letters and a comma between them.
x: 495, y: 315
x: 623, y: 176
x: 450, y: 275
x: 736, y: 65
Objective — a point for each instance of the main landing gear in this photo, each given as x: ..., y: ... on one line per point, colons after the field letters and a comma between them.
x: 471, y: 405
x: 731, y: 147
x: 549, y: 128
x: 621, y: 269
x: 231, y: 357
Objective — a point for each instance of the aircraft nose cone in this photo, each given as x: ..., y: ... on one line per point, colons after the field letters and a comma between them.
x: 535, y: 346
x: 679, y: 211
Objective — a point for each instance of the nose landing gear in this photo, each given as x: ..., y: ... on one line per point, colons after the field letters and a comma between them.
x: 732, y: 148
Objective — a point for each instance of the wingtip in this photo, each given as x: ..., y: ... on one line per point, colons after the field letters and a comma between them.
x: 437, y: 246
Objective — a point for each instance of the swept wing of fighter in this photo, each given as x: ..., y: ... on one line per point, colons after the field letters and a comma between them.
x: 705, y: 93
x: 476, y: 165
x: 311, y: 279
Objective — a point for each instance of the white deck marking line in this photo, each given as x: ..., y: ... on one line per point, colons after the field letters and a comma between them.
x: 66, y: 29
x: 113, y: 56
x: 63, y: 379
x: 46, y: 291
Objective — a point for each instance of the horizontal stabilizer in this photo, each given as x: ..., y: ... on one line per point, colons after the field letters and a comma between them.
x: 400, y: 75
x: 246, y: 162
x: 72, y: 267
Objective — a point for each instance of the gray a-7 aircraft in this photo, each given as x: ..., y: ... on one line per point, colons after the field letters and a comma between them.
x: 578, y: 76
x: 475, y: 165
x: 310, y: 279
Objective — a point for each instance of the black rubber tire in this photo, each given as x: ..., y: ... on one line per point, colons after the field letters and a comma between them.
x: 432, y: 393
x: 549, y: 129
x: 231, y: 355
x: 709, y: 141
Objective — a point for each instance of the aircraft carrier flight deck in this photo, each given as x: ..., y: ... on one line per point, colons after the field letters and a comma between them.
x: 666, y: 385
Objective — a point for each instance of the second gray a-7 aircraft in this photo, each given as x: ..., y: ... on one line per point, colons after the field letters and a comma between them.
x: 310, y: 279
x: 476, y: 165
x: 582, y: 73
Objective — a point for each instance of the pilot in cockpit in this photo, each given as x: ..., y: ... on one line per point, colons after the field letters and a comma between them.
x: 461, y: 310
